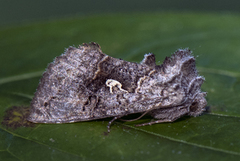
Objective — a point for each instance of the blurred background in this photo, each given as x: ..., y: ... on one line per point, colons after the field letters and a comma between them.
x: 23, y: 11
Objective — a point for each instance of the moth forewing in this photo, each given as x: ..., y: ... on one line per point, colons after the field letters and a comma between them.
x: 85, y: 84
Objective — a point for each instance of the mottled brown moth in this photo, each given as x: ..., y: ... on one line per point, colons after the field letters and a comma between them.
x: 85, y: 84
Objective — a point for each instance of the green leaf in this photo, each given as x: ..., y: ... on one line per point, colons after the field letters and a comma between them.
x: 214, y: 38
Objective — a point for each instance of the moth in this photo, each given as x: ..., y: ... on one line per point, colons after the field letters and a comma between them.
x: 85, y: 84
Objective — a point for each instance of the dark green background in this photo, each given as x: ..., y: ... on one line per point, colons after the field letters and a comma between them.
x: 32, y: 33
x: 12, y: 11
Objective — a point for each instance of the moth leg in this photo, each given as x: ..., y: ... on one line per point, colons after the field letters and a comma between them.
x: 156, y: 122
x: 167, y: 115
x: 110, y: 122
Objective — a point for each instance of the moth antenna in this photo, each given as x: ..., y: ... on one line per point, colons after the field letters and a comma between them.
x: 165, y: 120
x: 136, y: 118
x: 140, y: 116
x: 146, y: 113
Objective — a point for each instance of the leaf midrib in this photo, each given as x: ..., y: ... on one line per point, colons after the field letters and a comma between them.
x: 181, y: 141
x: 135, y: 128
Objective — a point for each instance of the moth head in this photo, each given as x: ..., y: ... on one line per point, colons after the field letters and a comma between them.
x: 199, y: 104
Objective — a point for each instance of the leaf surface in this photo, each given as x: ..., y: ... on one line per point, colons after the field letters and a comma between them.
x: 214, y: 38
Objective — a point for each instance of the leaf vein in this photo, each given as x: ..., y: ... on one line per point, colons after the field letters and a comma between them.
x: 20, y: 77
x: 182, y: 141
